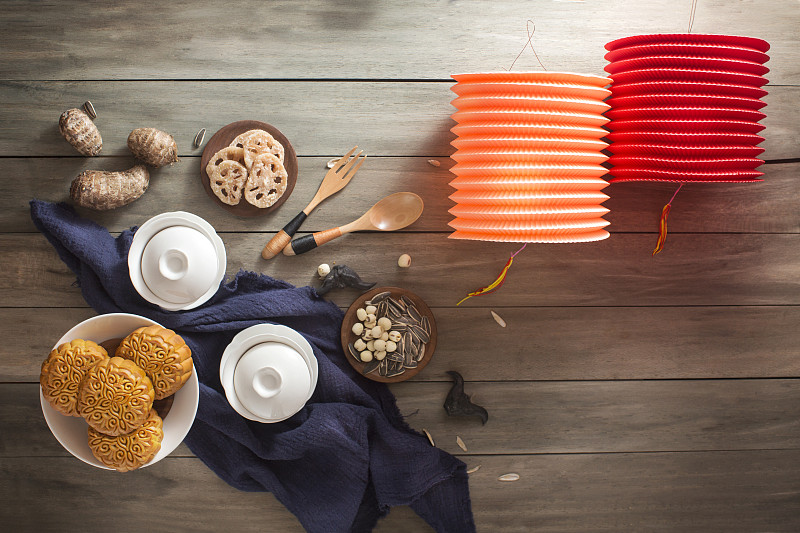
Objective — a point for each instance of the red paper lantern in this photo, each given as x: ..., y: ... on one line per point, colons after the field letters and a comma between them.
x: 529, y: 157
x: 686, y: 107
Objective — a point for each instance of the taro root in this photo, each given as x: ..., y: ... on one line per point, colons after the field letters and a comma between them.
x: 457, y: 402
x: 80, y: 131
x: 101, y: 190
x: 342, y: 276
x: 153, y: 147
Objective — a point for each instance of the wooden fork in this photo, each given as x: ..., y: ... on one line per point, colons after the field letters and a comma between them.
x: 333, y: 182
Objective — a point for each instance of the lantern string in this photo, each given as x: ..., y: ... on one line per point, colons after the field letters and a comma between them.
x: 497, y: 283
x: 662, y: 225
x: 527, y: 43
x: 691, y: 15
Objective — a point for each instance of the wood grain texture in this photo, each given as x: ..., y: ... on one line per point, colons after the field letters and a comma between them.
x: 768, y: 207
x: 323, y: 118
x: 689, y: 492
x: 699, y: 269
x: 545, y: 343
x: 355, y: 39
x: 546, y: 417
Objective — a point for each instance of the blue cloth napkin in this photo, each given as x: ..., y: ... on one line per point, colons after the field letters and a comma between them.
x: 341, y: 462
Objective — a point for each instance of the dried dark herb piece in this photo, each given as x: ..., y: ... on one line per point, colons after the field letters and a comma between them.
x: 457, y: 402
x: 342, y: 276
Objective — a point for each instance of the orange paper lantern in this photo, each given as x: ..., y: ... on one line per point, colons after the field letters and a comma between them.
x: 529, y: 157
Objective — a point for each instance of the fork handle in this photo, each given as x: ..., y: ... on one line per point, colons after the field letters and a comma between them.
x: 282, y: 238
x: 309, y: 242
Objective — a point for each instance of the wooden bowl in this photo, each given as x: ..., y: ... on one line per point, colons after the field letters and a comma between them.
x: 224, y: 137
x: 347, y: 335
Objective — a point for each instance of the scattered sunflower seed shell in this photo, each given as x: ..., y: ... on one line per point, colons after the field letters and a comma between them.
x: 198, y: 139
x: 430, y: 438
x: 461, y: 443
x: 89, y: 108
x: 474, y: 469
x: 498, y: 319
x: 434, y: 162
x: 508, y: 477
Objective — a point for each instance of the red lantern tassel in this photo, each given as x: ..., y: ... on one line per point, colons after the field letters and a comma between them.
x: 662, y: 224
x: 497, y: 283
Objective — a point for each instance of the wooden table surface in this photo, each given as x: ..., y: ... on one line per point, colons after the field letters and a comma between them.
x: 630, y: 393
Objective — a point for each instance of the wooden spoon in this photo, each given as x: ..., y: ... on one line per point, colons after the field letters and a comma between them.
x: 394, y: 212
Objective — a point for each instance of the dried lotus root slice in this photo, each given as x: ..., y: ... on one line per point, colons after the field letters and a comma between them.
x: 261, y: 143
x: 267, y: 181
x: 227, y: 181
x: 238, y: 142
x: 229, y: 153
x: 130, y: 451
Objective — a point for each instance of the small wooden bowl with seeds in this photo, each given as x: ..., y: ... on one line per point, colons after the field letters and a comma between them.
x: 388, y: 334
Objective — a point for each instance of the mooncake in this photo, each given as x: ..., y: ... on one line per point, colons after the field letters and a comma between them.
x: 162, y: 354
x: 63, y: 371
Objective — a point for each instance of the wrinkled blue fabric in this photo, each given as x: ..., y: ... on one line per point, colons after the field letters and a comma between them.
x: 343, y: 460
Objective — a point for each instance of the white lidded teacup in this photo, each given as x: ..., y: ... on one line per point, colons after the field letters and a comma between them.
x: 268, y: 372
x: 176, y: 261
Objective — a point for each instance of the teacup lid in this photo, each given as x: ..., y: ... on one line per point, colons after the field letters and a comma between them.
x: 272, y: 380
x: 176, y: 261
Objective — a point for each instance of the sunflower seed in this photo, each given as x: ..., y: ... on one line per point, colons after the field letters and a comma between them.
x: 414, y: 313
x: 395, y: 372
x: 498, y: 319
x: 461, y: 443
x: 429, y: 436
x: 353, y: 352
x: 509, y: 477
x: 421, y: 353
x: 474, y: 469
x: 381, y: 296
x: 394, y: 304
x: 408, y: 357
x: 89, y: 108
x: 383, y: 368
x: 426, y: 325
x: 395, y: 357
x: 406, y: 300
x: 372, y: 366
x: 420, y: 334
x: 198, y: 139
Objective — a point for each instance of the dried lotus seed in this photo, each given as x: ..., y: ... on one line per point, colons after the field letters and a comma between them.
x: 385, y: 323
x: 380, y: 355
x: 361, y: 314
x: 360, y: 345
x: 371, y: 309
x: 379, y: 345
x: 371, y: 314
x: 369, y: 325
x: 384, y: 336
x: 404, y: 261
x: 395, y: 336
x: 377, y: 331
x: 391, y: 346
x: 367, y: 336
x: 366, y: 356
x: 323, y: 270
x: 371, y: 346
x: 358, y: 328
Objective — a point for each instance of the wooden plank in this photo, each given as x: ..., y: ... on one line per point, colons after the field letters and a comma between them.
x: 768, y: 207
x: 89, y: 40
x: 709, y: 492
x: 695, y: 269
x: 549, y: 343
x: 322, y: 118
x: 544, y: 417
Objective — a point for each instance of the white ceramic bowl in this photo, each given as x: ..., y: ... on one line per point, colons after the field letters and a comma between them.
x: 71, y: 431
x: 176, y: 261
x: 258, y: 339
